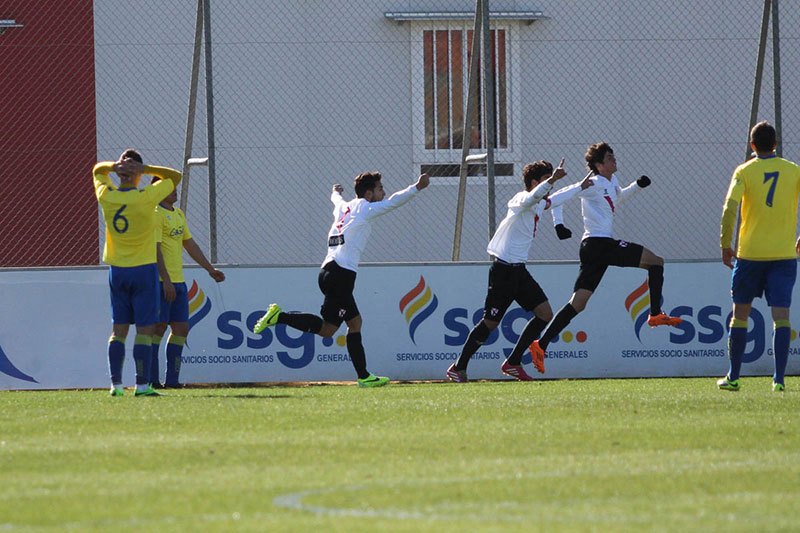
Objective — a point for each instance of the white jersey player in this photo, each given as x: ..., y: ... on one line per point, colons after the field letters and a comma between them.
x: 600, y: 249
x: 509, y: 280
x: 347, y: 239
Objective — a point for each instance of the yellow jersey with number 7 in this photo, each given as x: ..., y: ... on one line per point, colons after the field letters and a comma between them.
x: 130, y: 215
x: 768, y: 189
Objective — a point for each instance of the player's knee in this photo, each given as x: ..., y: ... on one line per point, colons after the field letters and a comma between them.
x: 328, y: 330
x: 490, y: 324
x: 649, y: 259
x: 544, y: 314
x: 579, y: 304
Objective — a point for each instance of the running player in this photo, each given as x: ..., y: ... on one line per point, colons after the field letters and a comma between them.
x: 599, y: 248
x: 130, y: 252
x: 173, y: 237
x: 765, y: 261
x: 347, y: 238
x: 509, y: 280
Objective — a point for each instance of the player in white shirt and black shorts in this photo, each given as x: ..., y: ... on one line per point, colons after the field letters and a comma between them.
x: 599, y: 248
x: 347, y: 238
x: 509, y: 280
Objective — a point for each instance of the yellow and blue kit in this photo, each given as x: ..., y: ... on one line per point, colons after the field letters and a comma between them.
x: 173, y: 232
x: 768, y: 189
x: 130, y: 245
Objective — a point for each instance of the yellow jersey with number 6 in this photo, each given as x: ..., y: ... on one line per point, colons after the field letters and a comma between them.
x: 130, y: 215
x: 768, y: 189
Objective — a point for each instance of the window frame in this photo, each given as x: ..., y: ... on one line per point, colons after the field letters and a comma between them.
x: 423, y: 155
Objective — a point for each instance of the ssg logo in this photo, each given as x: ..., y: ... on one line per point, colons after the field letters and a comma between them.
x: 199, y: 305
x: 638, y: 303
x: 416, y: 308
x: 706, y: 325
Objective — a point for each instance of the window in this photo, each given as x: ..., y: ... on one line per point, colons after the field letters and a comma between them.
x: 440, y: 65
x: 446, y: 60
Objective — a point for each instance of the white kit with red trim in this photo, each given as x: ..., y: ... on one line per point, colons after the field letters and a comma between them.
x: 352, y: 224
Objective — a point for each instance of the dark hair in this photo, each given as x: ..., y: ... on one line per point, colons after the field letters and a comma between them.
x: 596, y: 153
x: 534, y: 172
x: 130, y: 153
x: 366, y: 181
x: 763, y: 137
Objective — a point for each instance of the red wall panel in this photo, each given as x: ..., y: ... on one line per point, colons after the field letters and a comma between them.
x: 48, y: 214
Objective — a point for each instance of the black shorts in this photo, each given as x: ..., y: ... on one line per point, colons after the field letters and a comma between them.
x: 598, y: 253
x: 508, y: 283
x: 337, y: 284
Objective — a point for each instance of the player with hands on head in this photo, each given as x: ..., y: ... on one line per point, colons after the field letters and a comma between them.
x: 765, y: 261
x: 599, y: 249
x: 347, y: 238
x: 173, y: 236
x: 130, y: 252
x: 509, y: 280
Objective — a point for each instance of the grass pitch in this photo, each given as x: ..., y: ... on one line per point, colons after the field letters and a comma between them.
x: 626, y: 455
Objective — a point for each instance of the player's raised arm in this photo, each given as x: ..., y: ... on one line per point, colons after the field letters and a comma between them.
x: 165, y: 173
x: 399, y: 198
x: 640, y: 183
x: 336, y: 194
x: 100, y: 177
x: 423, y: 181
x: 571, y: 191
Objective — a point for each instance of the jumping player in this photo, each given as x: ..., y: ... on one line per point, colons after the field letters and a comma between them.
x: 509, y: 280
x: 599, y: 248
x: 173, y: 237
x: 130, y: 252
x: 767, y: 186
x: 347, y: 238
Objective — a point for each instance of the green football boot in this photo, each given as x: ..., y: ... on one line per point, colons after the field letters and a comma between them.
x: 373, y: 381
x: 727, y: 384
x: 778, y: 387
x: 149, y: 391
x: 270, y: 318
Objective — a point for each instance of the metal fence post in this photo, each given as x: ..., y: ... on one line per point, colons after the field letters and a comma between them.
x: 489, y: 114
x: 212, y: 176
x: 187, y: 146
x: 472, y: 95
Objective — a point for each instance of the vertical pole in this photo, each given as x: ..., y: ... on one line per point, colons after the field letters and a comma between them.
x: 472, y: 96
x: 212, y: 159
x: 776, y: 69
x: 762, y: 45
x: 489, y: 116
x: 187, y: 144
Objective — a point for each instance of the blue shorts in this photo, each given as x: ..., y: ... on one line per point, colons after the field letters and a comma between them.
x: 178, y: 309
x: 134, y: 294
x: 752, y: 279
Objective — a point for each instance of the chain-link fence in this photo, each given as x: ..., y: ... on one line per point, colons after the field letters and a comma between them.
x: 307, y: 94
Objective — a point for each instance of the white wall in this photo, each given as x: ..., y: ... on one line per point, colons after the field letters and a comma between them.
x: 309, y: 94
